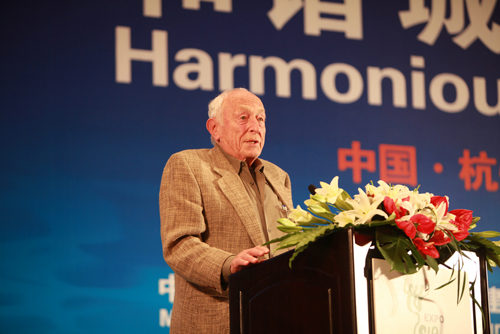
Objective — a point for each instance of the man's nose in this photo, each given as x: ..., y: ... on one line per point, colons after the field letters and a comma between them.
x: 254, y: 125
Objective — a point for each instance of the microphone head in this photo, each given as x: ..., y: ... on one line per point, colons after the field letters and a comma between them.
x: 312, y: 189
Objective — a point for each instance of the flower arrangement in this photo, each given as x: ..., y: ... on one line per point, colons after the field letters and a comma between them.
x: 410, y: 229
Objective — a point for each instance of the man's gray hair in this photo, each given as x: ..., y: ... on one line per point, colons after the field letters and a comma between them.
x: 215, y: 106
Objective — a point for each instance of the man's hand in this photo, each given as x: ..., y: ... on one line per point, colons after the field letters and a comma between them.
x: 247, y: 257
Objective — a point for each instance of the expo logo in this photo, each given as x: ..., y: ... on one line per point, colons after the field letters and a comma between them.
x: 433, y: 318
x: 431, y: 328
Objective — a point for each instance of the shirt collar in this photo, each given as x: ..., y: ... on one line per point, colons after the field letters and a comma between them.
x: 238, y: 164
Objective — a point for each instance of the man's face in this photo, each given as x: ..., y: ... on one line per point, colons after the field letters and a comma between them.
x: 241, y: 126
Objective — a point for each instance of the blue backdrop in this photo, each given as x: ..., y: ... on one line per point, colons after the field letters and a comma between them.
x: 97, y: 95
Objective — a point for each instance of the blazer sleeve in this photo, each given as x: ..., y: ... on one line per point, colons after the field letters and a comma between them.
x: 182, y: 226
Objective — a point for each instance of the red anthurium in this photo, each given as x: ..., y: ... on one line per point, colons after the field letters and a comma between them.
x: 437, y: 200
x: 460, y: 234
x: 390, y: 208
x: 424, y: 223
x: 426, y: 248
x: 439, y: 238
x: 463, y: 218
x: 389, y: 205
x: 407, y: 227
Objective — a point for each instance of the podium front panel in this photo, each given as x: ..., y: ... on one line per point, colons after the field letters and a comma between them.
x: 316, y: 295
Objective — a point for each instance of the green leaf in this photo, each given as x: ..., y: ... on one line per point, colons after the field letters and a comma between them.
x: 309, y: 236
x: 473, y: 223
x: 319, y: 198
x: 490, y: 264
x: 398, y: 250
x: 314, y: 221
x: 322, y: 210
x: 341, y: 204
x: 344, y: 195
x: 432, y: 263
x: 465, y: 283
x: 486, y: 234
x: 290, y: 229
x: 417, y: 256
x: 288, y: 237
x: 389, y: 221
x: 445, y: 284
x: 471, y: 290
x: 288, y: 226
x: 286, y: 222
x: 286, y: 245
x: 297, y: 251
x: 492, y: 250
x: 292, y: 240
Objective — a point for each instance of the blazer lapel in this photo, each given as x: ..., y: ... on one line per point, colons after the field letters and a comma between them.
x: 232, y: 187
x: 279, y: 189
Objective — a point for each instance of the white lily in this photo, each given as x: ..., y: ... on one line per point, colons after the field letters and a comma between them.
x: 365, y: 208
x: 420, y: 201
x: 300, y: 215
x: 443, y: 219
x: 395, y: 192
x: 347, y: 217
x: 315, y: 205
x: 330, y: 191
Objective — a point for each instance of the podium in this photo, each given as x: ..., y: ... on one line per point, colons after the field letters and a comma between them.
x: 316, y: 296
x: 319, y: 294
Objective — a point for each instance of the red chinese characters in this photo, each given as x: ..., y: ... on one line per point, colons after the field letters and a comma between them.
x: 358, y: 160
x: 397, y: 163
x: 478, y: 167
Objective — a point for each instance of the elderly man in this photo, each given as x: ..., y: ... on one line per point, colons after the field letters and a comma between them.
x: 217, y: 207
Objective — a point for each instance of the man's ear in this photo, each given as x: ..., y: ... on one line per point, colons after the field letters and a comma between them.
x: 213, y: 128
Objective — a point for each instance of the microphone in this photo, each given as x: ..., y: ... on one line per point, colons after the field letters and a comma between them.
x: 312, y: 189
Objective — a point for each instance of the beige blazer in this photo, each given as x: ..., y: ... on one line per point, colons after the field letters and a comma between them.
x: 206, y: 216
